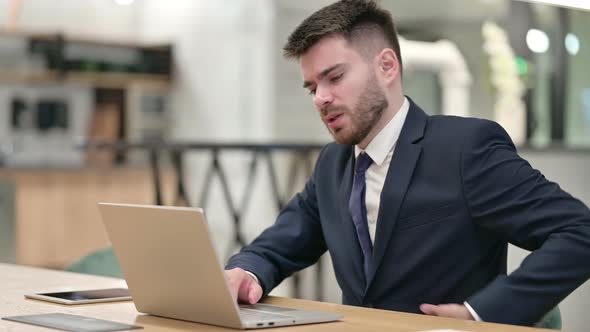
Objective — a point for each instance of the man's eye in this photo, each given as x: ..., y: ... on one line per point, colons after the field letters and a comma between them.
x: 336, y: 78
x: 312, y: 92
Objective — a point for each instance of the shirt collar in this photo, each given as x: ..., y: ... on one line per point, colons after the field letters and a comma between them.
x: 385, y: 140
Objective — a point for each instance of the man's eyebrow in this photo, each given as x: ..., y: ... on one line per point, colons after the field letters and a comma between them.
x: 323, y: 74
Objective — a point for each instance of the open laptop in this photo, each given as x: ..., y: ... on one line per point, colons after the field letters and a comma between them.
x: 171, y: 268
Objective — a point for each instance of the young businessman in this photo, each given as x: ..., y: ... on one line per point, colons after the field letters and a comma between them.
x: 415, y: 210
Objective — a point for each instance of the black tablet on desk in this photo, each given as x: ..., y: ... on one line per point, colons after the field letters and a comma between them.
x: 84, y: 296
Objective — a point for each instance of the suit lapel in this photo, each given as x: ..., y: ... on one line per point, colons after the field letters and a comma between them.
x: 350, y: 238
x: 405, y: 156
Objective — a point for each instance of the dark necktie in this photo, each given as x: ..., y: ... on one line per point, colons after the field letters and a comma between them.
x: 358, y: 209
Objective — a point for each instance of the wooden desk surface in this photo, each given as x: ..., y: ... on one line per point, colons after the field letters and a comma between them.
x: 17, y: 280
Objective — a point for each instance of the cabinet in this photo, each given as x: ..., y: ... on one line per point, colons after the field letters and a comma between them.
x: 7, y: 222
x: 56, y: 220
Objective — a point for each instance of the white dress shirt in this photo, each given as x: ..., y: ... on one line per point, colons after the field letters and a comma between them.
x: 380, y: 149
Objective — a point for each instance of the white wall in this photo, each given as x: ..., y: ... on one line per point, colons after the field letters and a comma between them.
x: 296, y: 118
x: 93, y: 18
x: 222, y: 58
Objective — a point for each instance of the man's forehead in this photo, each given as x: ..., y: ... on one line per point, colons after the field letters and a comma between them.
x: 324, y: 55
x: 330, y: 43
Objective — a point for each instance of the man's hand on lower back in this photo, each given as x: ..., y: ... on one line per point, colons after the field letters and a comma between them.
x: 243, y: 287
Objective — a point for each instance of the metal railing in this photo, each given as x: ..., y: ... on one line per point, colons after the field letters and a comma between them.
x: 302, y: 162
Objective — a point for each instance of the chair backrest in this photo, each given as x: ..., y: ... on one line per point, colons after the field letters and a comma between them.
x: 7, y: 221
x: 552, y: 320
x: 101, y: 262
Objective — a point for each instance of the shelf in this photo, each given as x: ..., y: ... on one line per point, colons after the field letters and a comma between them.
x: 118, y: 80
x: 53, y: 36
x: 151, y: 65
x: 28, y: 77
x: 96, y: 79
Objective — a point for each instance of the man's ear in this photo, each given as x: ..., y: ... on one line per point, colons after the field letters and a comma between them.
x: 388, y: 64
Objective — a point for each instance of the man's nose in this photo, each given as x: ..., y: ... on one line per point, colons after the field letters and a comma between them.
x: 322, y: 98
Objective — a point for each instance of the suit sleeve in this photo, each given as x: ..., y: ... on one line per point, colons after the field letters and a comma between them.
x: 294, y: 242
x: 515, y: 202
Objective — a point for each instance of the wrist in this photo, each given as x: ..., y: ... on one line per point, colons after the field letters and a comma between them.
x: 253, y: 276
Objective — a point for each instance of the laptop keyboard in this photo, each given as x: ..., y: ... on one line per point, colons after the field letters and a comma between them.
x: 253, y: 315
x: 265, y: 307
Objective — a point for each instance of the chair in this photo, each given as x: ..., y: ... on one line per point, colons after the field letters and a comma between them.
x: 552, y: 320
x: 102, y: 262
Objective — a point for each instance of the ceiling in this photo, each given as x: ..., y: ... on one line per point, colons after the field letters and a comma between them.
x: 421, y: 10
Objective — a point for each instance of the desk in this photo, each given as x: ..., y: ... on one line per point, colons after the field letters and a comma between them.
x: 16, y: 280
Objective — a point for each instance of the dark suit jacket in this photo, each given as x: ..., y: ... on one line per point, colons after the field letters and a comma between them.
x: 455, y: 194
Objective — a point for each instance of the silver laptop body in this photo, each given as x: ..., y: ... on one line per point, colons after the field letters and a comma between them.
x: 171, y: 268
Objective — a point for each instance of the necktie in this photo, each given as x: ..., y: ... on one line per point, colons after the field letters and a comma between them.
x: 358, y: 209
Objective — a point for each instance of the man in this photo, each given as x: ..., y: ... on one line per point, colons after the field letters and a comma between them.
x: 415, y: 210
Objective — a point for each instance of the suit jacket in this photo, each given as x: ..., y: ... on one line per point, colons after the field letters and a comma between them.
x: 455, y: 194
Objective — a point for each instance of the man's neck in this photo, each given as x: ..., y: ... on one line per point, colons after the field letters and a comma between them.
x: 391, y: 110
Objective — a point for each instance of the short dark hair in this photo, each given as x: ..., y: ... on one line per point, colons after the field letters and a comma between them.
x: 358, y: 21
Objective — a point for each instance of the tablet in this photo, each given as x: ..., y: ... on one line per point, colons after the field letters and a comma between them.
x: 73, y: 323
x: 84, y: 296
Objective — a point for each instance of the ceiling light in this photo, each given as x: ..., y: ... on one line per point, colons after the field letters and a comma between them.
x: 572, y: 44
x: 537, y: 41
x: 124, y: 2
x: 579, y: 4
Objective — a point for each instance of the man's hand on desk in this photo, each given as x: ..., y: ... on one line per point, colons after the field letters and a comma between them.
x: 447, y: 310
x: 243, y: 286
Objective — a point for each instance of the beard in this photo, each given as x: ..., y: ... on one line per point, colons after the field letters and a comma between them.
x: 365, y: 115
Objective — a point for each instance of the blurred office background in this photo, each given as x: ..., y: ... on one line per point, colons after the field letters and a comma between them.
x: 189, y: 102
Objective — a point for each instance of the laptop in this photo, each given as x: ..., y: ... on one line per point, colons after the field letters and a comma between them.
x: 171, y: 268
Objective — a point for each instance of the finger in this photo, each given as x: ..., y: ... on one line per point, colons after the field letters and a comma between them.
x: 255, y: 293
x: 244, y: 289
x: 232, y: 286
x: 429, y: 309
